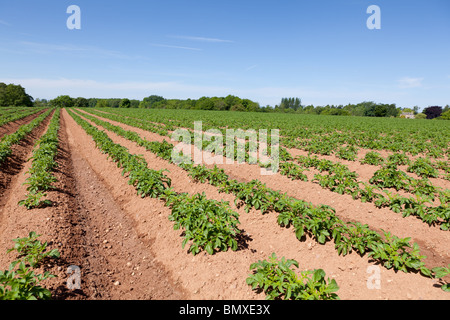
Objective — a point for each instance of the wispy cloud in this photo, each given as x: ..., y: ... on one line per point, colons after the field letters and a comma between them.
x: 50, y: 88
x: 202, y: 39
x: 251, y: 67
x: 407, y: 82
x: 174, y: 47
x: 3, y: 22
x: 88, y: 51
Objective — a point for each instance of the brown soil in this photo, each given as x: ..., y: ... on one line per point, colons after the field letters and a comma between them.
x: 206, y: 277
x: 89, y: 229
x: 12, y: 127
x: 126, y: 246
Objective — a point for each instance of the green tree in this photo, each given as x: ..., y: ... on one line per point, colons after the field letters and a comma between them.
x: 421, y: 116
x: 445, y: 115
x: 380, y: 110
x: 149, y: 101
x: 291, y: 103
x: 14, y: 95
x: 92, y: 102
x: 40, y: 102
x: 102, y: 103
x: 125, y: 103
x: 81, y: 102
x: 63, y: 101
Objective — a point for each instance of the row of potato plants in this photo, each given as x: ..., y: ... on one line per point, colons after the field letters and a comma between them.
x: 311, y: 284
x: 344, y: 181
x: 291, y: 170
x: 320, y: 134
x: 422, y: 166
x: 208, y: 224
x: 341, y: 180
x: 17, y: 114
x: 8, y: 141
x: 320, y: 222
x: 43, y: 163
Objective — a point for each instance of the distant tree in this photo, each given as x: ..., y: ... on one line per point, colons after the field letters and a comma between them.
x: 41, y: 103
x: 102, y: 103
x: 204, y: 103
x: 238, y: 107
x: 125, y: 103
x: 445, y: 115
x: 92, y: 102
x: 63, y: 101
x: 81, y: 102
x: 250, y: 105
x: 134, y: 103
x: 380, y: 110
x: 14, y: 95
x: 369, y: 108
x: 433, y: 112
x: 113, y: 102
x: 231, y: 101
x: 149, y: 101
x: 420, y: 116
x: 291, y: 103
x: 392, y: 110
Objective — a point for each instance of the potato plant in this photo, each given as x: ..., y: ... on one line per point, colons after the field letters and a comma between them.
x: 279, y: 281
x: 20, y: 281
x: 43, y: 163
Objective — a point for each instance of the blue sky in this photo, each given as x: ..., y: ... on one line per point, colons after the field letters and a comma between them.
x: 320, y: 51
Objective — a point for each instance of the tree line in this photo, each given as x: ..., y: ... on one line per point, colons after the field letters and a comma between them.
x: 15, y: 95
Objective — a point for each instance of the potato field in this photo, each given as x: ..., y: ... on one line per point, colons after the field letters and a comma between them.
x: 94, y: 205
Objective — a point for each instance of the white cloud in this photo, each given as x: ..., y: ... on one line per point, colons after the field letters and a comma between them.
x: 407, y: 82
x: 3, y: 22
x: 51, y: 88
x: 203, y: 39
x: 264, y: 95
x: 174, y: 47
x: 89, y: 51
x: 251, y: 67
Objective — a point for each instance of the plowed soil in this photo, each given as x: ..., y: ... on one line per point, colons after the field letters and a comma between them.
x: 126, y: 247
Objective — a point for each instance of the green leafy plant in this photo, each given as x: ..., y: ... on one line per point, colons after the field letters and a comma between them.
x: 399, y: 159
x: 23, y: 283
x: 20, y: 281
x: 210, y: 225
x: 32, y: 250
x: 441, y: 272
x: 347, y: 153
x: 390, y: 177
x: 293, y: 171
x: 372, y: 158
x: 354, y: 236
x: 398, y: 253
x: 423, y: 167
x: 279, y: 281
x: 33, y: 200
